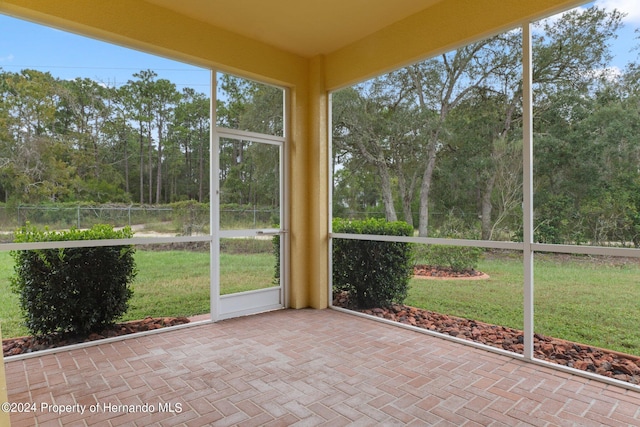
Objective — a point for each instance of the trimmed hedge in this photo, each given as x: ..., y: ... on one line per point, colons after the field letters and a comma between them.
x: 73, y: 290
x: 375, y: 274
x: 457, y: 258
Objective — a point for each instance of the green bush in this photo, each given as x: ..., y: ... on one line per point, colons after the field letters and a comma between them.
x: 458, y: 258
x: 73, y: 290
x: 376, y: 274
x: 190, y: 217
x: 276, y: 252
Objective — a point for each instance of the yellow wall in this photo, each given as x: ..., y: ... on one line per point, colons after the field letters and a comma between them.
x: 140, y: 25
x: 4, y: 416
x: 145, y: 27
x: 316, y: 190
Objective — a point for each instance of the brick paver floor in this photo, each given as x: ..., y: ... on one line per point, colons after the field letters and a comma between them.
x: 306, y: 368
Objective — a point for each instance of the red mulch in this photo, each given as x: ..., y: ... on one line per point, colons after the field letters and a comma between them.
x: 608, y: 363
x: 428, y: 271
x: 15, y: 346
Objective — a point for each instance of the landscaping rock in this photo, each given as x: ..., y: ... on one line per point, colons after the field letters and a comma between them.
x: 608, y: 363
x: 16, y: 346
x: 439, y: 272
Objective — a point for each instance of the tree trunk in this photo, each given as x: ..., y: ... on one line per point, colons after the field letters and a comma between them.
x: 189, y: 167
x: 387, y: 195
x: 200, y: 172
x: 487, y: 207
x: 150, y: 166
x: 141, y: 165
x: 126, y: 164
x: 406, y: 195
x: 159, y: 168
x: 425, y: 190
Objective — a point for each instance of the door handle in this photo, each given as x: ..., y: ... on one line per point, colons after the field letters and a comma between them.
x: 269, y: 233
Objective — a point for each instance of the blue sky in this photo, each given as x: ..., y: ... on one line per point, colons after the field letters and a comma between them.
x: 66, y: 56
x: 625, y: 48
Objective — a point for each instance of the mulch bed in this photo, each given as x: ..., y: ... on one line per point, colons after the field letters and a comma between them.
x: 435, y: 272
x: 608, y: 363
x: 15, y: 346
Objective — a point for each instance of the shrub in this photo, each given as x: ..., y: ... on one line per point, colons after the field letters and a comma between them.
x: 458, y: 258
x: 376, y: 274
x: 276, y: 252
x: 73, y: 290
x: 190, y: 217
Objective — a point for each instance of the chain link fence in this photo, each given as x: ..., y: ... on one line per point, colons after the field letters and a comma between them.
x: 179, y: 219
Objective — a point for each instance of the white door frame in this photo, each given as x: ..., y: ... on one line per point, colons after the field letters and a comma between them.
x: 250, y: 302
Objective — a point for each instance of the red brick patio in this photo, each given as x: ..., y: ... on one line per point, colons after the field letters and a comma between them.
x: 306, y: 368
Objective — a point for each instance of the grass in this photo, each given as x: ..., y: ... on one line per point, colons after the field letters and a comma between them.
x: 169, y: 283
x: 238, y: 275
x: 497, y: 300
x: 583, y: 299
x: 589, y: 300
x: 10, y: 317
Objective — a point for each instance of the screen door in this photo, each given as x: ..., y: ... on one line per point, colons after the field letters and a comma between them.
x: 250, y: 217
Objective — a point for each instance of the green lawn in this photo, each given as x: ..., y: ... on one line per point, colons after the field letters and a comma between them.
x: 597, y: 303
x: 497, y: 300
x: 169, y: 283
x: 9, y: 310
x: 579, y: 299
x: 582, y: 299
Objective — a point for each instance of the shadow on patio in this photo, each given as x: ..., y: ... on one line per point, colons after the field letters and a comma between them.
x: 304, y: 367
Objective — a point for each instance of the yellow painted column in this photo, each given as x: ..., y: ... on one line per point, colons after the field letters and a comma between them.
x: 298, y: 287
x: 309, y: 191
x: 318, y: 184
x: 4, y: 416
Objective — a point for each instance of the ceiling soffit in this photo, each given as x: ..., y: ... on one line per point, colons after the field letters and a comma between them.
x: 303, y: 27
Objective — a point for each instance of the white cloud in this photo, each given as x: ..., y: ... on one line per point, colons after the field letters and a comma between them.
x: 8, y: 58
x: 610, y: 73
x: 551, y: 20
x: 630, y: 7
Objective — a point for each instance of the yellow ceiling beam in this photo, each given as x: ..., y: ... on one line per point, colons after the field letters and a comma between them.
x: 143, y: 26
x: 437, y: 29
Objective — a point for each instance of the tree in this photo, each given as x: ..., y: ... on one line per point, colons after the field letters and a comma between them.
x: 81, y: 114
x: 120, y: 133
x: 74, y: 140
x: 138, y: 100
x: 190, y: 132
x: 373, y: 123
x: 571, y: 57
x: 249, y: 171
x: 29, y: 105
x: 165, y: 97
x: 467, y: 104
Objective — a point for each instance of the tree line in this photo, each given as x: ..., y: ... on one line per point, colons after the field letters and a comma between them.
x: 438, y: 144
x: 144, y: 142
